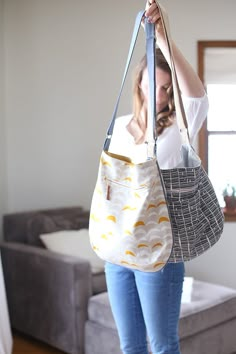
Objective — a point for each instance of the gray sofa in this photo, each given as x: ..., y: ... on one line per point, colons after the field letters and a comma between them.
x: 47, y: 292
x: 207, y: 323
x: 58, y: 300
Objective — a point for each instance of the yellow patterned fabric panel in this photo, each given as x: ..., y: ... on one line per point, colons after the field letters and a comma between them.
x: 129, y: 220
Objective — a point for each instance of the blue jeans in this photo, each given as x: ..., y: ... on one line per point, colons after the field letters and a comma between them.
x: 146, y: 304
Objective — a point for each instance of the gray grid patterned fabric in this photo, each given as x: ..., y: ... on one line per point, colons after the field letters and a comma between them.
x: 197, y: 219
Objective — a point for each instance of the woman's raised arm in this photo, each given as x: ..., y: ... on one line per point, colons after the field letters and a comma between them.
x: 189, y: 82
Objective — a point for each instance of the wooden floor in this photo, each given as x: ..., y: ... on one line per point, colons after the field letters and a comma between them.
x: 25, y: 345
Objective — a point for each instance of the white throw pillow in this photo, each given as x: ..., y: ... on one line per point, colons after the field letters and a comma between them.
x: 73, y: 243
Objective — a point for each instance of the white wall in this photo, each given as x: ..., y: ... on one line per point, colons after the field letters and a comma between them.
x: 64, y: 62
x: 2, y: 123
x: 64, y: 65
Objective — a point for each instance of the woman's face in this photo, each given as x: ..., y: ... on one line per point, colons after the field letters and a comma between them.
x: 163, y: 81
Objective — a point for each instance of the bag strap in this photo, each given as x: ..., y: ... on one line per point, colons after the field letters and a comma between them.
x: 151, y: 66
x: 150, y: 46
x: 150, y: 51
x: 179, y: 109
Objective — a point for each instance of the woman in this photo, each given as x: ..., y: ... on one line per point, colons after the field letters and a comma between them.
x: 148, y: 304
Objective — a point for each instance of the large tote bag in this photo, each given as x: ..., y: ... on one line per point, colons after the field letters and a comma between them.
x: 196, y: 216
x: 129, y: 218
x: 192, y: 206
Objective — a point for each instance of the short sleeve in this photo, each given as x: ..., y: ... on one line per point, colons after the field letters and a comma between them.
x: 196, y: 111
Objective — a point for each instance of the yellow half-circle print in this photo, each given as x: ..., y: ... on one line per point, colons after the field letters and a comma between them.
x: 158, y: 264
x: 162, y: 202
x: 130, y: 253
x: 163, y: 219
x: 142, y: 245
x: 94, y: 218
x: 111, y: 218
x: 129, y: 179
x: 124, y: 262
x: 104, y: 162
x: 98, y: 190
x: 128, y: 232
x: 128, y: 207
x: 129, y: 264
x: 151, y: 206
x: 104, y: 236
x: 158, y: 244
x: 130, y: 164
x: 139, y: 223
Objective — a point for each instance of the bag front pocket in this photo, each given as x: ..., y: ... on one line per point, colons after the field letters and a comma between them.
x: 130, y: 192
x: 185, y: 211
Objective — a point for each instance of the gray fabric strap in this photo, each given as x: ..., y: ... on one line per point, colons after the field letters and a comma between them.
x: 150, y: 48
x: 150, y: 51
x: 151, y: 65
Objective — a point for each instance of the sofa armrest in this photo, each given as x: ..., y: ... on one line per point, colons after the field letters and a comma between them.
x: 47, y: 294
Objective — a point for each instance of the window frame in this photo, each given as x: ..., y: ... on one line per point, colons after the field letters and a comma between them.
x: 203, y: 134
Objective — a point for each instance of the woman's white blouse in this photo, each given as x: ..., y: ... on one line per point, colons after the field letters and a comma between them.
x: 169, y: 142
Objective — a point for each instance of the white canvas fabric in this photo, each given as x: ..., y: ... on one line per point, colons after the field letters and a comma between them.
x: 129, y: 220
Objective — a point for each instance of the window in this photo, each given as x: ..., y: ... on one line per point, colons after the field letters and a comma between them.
x: 221, y: 130
x: 217, y: 141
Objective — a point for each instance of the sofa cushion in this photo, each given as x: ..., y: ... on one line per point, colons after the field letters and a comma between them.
x: 76, y: 243
x: 42, y: 223
x: 36, y: 225
x: 73, y: 243
x: 19, y: 226
x: 210, y: 305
